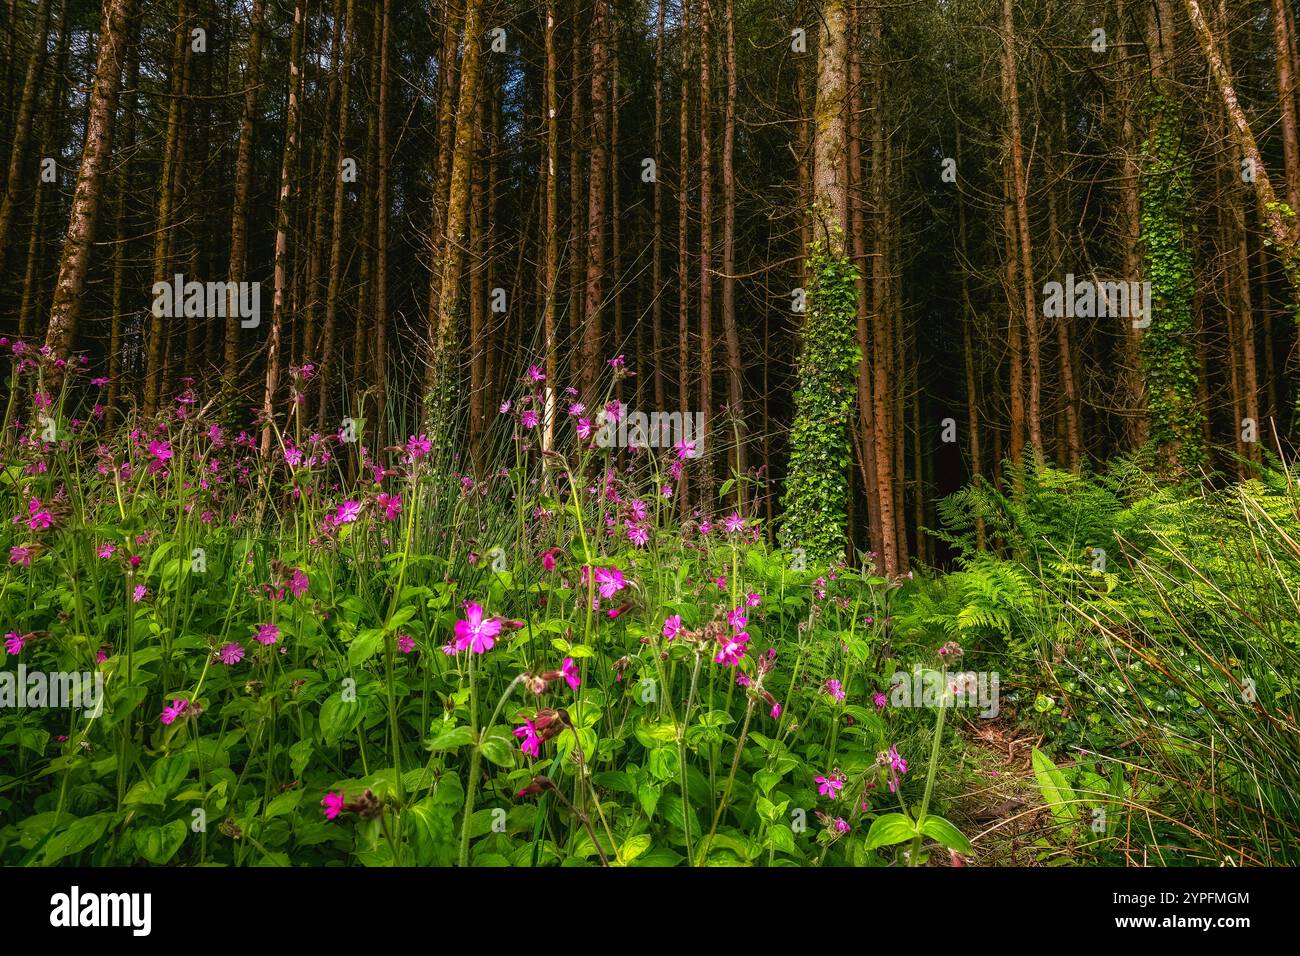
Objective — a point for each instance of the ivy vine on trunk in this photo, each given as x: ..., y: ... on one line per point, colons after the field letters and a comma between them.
x: 816, y: 489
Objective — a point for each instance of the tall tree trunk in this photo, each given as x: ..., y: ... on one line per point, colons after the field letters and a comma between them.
x: 1132, y: 381
x: 735, y: 382
x: 1281, y: 229
x: 380, y: 373
x: 477, y: 268
x: 550, y: 274
x: 80, y: 236
x: 169, y: 183
x: 968, y: 352
x: 1069, y: 394
x: 23, y: 122
x: 448, y: 74
x: 866, y: 441
x: 336, y: 268
x: 1286, y: 93
x: 1019, y: 177
x: 615, y: 225
x: 55, y: 106
x: 576, y: 222
x: 243, y: 190
x: 1016, y: 440
x: 597, y: 186
x: 706, y: 253
x: 657, y: 267
x: 318, y: 187
x: 442, y: 354
x: 683, y: 245
x: 882, y: 323
x: 280, y: 274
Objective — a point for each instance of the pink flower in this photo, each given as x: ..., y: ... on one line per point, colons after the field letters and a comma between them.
x: 721, y: 582
x: 776, y: 711
x: 829, y: 786
x: 548, y: 559
x: 673, y: 626
x: 161, y: 451
x: 584, y: 428
x: 570, y: 672
x: 347, y: 512
x: 895, y: 761
x: 418, y: 447
x: 530, y: 743
x: 21, y: 556
x: 14, y: 642
x: 176, y: 709
x: 732, y: 650
x: 231, y: 653
x: 392, y: 505
x: 475, y: 633
x: 536, y: 374
x: 333, y: 804
x: 139, y: 594
x: 298, y: 583
x: 879, y: 699
x: 752, y: 600
x: 529, y: 419
x: 834, y: 688
x: 609, y: 581
x: 734, y: 523
x: 638, y: 535
x: 39, y: 518
x: 105, y: 550
x: 267, y: 634
x: 405, y: 643
x: 736, y: 619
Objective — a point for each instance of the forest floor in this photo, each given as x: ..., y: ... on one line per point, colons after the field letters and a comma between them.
x: 997, y: 800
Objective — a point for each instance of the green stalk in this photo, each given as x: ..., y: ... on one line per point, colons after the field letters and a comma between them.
x: 929, y: 778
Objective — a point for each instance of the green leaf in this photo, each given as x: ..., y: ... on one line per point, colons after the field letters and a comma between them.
x: 1056, y: 792
x: 364, y: 646
x: 452, y: 739
x: 890, y: 829
x: 78, y: 835
x: 633, y: 847
x: 499, y: 750
x: 338, y: 717
x: 430, y: 832
x: 781, y: 839
x: 939, y: 829
x: 284, y: 803
x: 159, y: 844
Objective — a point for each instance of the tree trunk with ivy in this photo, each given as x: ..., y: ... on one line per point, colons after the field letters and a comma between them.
x: 1169, y: 343
x: 816, y: 492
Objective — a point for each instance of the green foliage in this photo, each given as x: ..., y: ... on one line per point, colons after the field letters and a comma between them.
x: 1168, y: 350
x: 354, y: 731
x: 1171, y: 659
x: 816, y: 491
